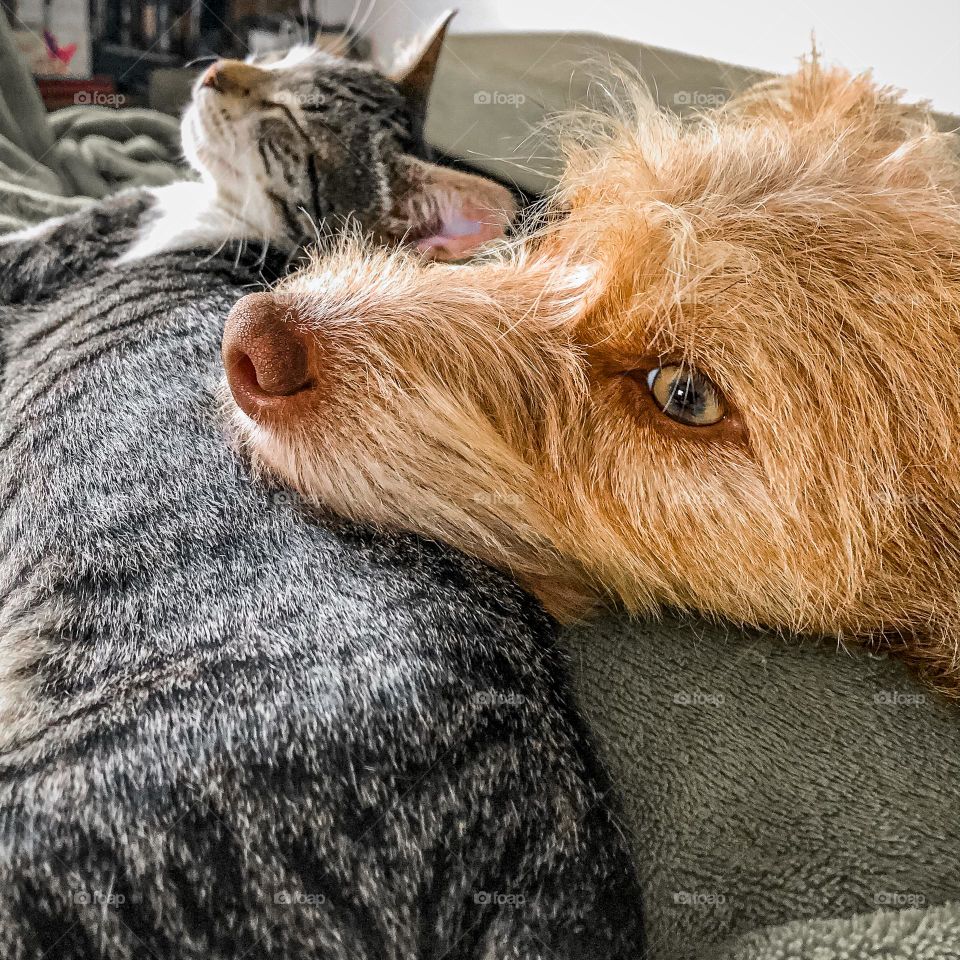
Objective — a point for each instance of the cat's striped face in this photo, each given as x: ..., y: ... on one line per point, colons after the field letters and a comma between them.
x: 309, y: 135
x: 298, y: 143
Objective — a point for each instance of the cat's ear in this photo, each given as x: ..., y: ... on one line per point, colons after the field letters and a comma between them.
x: 445, y: 213
x: 415, y: 78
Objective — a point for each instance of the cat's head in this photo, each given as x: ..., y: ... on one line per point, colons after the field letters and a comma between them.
x: 299, y: 142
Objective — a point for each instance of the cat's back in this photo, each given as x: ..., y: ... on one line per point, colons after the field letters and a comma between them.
x: 114, y: 467
x: 70, y: 251
x: 229, y: 726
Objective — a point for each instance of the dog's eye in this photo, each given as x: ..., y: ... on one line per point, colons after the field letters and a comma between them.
x: 686, y: 395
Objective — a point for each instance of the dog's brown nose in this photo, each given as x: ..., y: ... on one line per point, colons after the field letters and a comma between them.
x: 265, y: 354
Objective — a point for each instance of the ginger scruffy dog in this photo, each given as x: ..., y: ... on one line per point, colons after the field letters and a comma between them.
x: 725, y: 376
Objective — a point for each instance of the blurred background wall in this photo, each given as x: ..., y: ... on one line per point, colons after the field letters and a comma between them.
x: 123, y: 43
x: 914, y: 45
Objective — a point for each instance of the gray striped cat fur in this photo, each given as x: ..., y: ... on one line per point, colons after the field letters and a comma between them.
x: 232, y: 729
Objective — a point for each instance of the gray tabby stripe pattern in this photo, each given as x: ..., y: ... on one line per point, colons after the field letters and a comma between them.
x: 235, y: 728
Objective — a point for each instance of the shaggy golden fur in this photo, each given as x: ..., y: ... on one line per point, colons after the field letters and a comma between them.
x: 799, y: 247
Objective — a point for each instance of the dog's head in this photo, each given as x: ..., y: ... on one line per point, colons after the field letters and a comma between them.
x: 724, y: 377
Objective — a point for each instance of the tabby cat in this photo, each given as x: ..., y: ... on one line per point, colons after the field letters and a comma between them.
x: 230, y: 728
x: 290, y: 146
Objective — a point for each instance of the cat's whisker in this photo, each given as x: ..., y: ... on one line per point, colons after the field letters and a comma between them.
x: 357, y: 27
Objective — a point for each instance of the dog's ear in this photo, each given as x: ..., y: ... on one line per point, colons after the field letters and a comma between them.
x: 832, y: 98
x: 447, y: 213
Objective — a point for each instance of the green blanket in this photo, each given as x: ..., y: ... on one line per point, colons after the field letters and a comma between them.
x: 51, y: 165
x: 785, y: 801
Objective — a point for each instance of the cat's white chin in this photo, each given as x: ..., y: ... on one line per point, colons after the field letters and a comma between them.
x: 199, y: 147
x: 225, y: 205
x: 191, y: 136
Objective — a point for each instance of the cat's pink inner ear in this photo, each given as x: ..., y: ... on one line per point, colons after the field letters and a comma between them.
x: 451, y: 213
x: 464, y: 228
